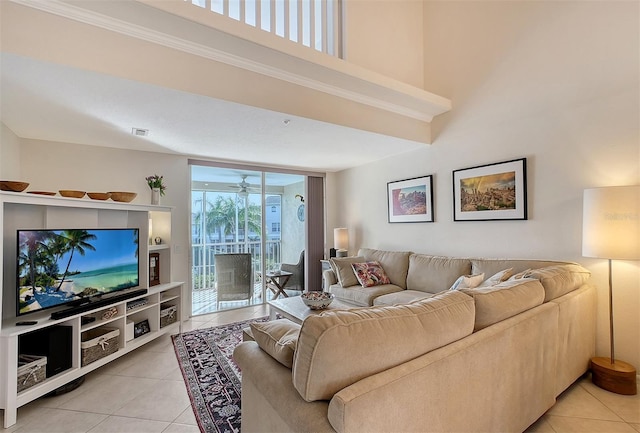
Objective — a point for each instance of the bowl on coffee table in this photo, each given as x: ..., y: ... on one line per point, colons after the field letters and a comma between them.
x: 317, y: 300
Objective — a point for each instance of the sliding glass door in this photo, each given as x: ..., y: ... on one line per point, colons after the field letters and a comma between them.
x: 236, y: 212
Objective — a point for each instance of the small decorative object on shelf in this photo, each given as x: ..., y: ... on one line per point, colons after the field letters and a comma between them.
x: 141, y: 328
x: 154, y: 269
x: 156, y: 183
x: 109, y: 313
x: 158, y: 240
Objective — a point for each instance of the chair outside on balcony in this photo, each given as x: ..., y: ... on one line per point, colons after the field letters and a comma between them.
x: 234, y: 276
x: 296, y: 281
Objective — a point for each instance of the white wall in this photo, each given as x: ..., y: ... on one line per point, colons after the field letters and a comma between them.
x: 51, y: 166
x: 555, y: 82
x: 9, y: 154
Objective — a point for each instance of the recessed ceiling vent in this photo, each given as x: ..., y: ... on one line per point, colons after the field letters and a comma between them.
x: 140, y: 132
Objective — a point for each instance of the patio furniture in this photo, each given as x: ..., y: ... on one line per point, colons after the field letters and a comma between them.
x: 234, y: 276
x: 276, y: 281
x: 296, y: 281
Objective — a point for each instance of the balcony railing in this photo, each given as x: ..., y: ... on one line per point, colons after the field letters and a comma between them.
x: 203, y: 259
x: 311, y: 23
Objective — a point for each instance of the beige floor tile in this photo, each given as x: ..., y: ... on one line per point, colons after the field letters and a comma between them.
x: 153, y: 365
x: 636, y: 426
x: 62, y: 421
x: 164, y: 401
x: 91, y: 381
x: 111, y: 395
x: 182, y: 428
x: 577, y: 402
x: 161, y: 344
x: 540, y: 426
x: 563, y: 424
x: 174, y: 375
x: 626, y: 407
x: 187, y: 417
x: 117, y: 424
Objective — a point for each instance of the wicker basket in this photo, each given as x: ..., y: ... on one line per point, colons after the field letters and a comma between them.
x: 98, y: 343
x: 32, y: 369
x: 168, y: 315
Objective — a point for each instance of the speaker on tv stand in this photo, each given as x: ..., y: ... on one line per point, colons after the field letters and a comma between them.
x: 53, y: 342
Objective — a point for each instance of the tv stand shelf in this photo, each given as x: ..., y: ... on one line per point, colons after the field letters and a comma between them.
x: 29, y: 211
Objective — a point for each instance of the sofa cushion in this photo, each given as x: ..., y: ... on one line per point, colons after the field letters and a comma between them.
x: 491, y: 266
x: 433, y: 274
x: 395, y: 263
x: 340, y: 347
x: 278, y: 338
x: 343, y: 270
x: 504, y: 300
x: 370, y: 274
x: 467, y: 282
x: 559, y: 280
x: 401, y: 297
x: 362, y: 296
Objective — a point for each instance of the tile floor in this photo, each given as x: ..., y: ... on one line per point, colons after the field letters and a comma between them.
x: 143, y: 391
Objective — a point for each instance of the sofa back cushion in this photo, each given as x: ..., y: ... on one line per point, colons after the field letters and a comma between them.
x: 338, y: 348
x: 561, y: 279
x: 492, y: 266
x: 504, y: 300
x: 394, y: 263
x: 433, y: 274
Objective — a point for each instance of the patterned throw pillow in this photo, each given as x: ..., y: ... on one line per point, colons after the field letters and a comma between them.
x: 370, y: 274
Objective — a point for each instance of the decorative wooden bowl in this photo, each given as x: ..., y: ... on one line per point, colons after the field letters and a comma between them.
x: 71, y: 193
x: 42, y: 192
x: 99, y: 195
x: 122, y: 196
x: 13, y: 186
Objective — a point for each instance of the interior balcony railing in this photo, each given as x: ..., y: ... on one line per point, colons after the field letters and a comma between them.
x: 311, y: 23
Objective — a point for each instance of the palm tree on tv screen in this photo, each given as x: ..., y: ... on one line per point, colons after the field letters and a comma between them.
x: 77, y: 240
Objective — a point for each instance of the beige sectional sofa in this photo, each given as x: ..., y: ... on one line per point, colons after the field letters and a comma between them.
x: 414, y: 356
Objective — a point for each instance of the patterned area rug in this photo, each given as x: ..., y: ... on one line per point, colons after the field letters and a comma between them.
x: 212, y: 376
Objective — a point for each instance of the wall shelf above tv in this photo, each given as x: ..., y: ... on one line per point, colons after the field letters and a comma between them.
x: 37, y: 212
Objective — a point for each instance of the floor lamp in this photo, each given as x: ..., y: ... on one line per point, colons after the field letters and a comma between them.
x: 611, y: 230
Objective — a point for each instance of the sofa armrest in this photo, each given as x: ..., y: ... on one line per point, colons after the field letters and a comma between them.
x: 270, y: 403
x: 328, y: 279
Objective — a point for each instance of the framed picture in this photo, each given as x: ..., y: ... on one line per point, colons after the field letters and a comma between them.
x: 411, y: 200
x: 141, y: 328
x: 491, y: 192
x: 154, y: 269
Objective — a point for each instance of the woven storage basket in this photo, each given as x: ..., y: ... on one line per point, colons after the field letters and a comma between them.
x: 98, y: 343
x: 168, y: 315
x: 32, y: 369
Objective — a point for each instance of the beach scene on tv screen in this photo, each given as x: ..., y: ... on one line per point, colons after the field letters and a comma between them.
x: 56, y: 267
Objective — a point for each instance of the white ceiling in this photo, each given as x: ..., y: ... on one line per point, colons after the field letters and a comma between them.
x: 46, y: 101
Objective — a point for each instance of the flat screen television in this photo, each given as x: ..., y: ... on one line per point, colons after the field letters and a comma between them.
x: 74, y: 267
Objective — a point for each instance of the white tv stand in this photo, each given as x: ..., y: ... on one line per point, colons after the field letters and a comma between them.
x: 28, y: 211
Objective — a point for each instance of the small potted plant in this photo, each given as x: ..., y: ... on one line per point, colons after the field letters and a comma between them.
x: 156, y: 183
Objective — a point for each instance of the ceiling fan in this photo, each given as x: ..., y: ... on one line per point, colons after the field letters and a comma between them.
x: 243, y: 188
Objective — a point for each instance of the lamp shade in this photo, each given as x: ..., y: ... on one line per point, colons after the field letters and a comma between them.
x: 611, y: 223
x: 341, y: 238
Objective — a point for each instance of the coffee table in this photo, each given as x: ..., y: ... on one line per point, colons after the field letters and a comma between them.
x: 294, y: 309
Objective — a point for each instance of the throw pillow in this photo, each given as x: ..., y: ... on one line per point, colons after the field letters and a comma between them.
x: 278, y: 338
x: 370, y: 274
x: 467, y: 281
x: 497, y: 278
x: 344, y: 271
x: 520, y: 275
